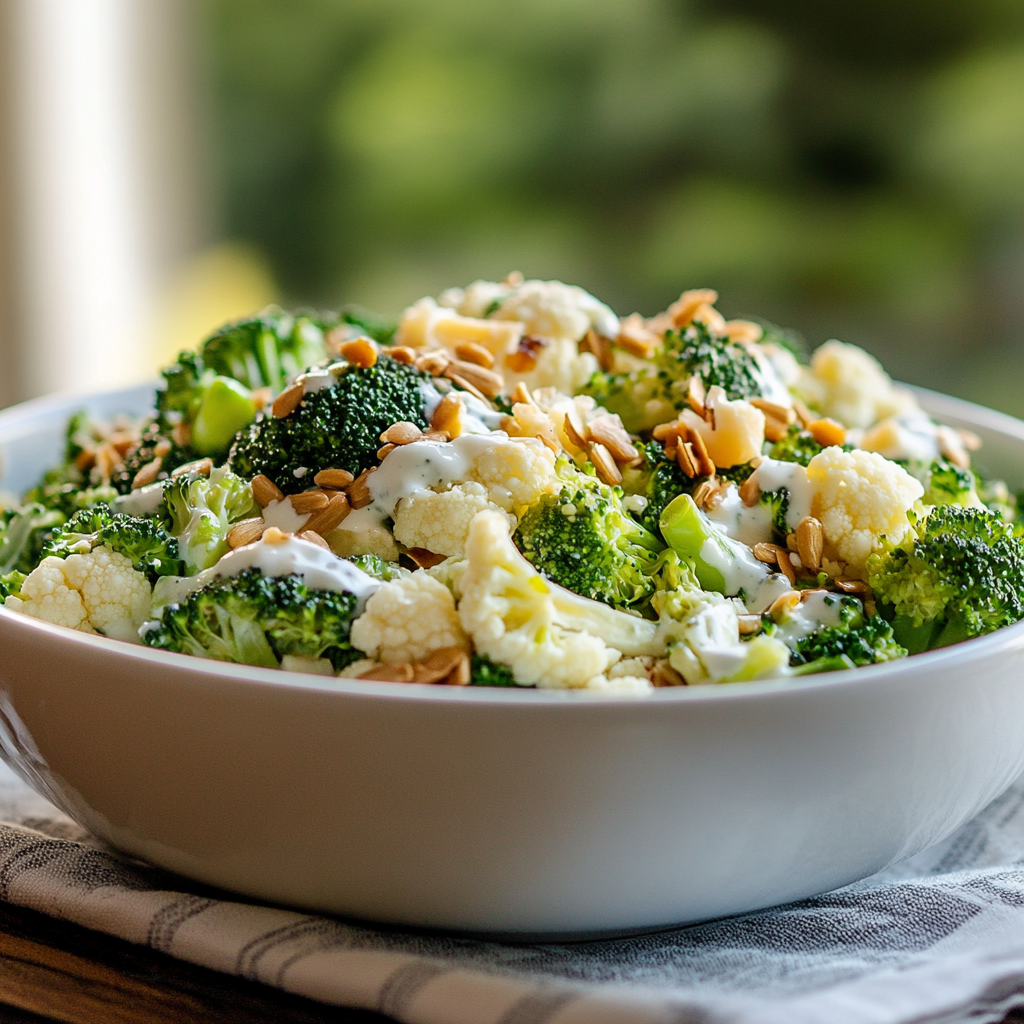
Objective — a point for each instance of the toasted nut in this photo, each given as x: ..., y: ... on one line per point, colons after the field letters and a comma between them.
x: 329, y: 518
x: 248, y: 531
x: 433, y: 362
x: 273, y: 535
x: 952, y: 447
x: 440, y: 435
x: 461, y: 675
x: 513, y: 279
x: 521, y: 395
x: 401, y: 354
x: 471, y: 352
x: 201, y: 467
x: 970, y: 440
x: 785, y: 565
x: 696, y: 395
x: 359, y: 490
x: 308, y: 501
x: 335, y: 479
x: 743, y: 331
x: 461, y: 382
x: 767, y: 553
x: 401, y: 433
x: 686, y: 459
x: 162, y: 448
x: 779, y: 412
x: 805, y: 595
x: 262, y: 397
x: 750, y: 492
x: 706, y: 314
x: 108, y: 461
x: 708, y: 494
x: 635, y: 337
x: 436, y: 667
x: 749, y: 624
x: 425, y: 559
x: 314, y: 538
x: 148, y: 474
x: 791, y: 542
x: 663, y: 674
x: 398, y: 672
x: 827, y: 432
x: 856, y: 587
x: 682, y: 310
x: 520, y: 361
x: 705, y: 467
x: 774, y: 429
x: 383, y: 453
x: 665, y: 430
x: 447, y: 415
x: 181, y: 434
x: 575, y: 433
x: 784, y: 604
x: 85, y: 459
x: 609, y: 431
x: 288, y: 401
x: 359, y: 352
x: 264, y: 490
x: 486, y: 382
x: 605, y: 465
x: 810, y: 541
x: 803, y: 414
x: 600, y: 346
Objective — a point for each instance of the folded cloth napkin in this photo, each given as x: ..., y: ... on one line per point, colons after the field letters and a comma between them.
x: 938, y: 938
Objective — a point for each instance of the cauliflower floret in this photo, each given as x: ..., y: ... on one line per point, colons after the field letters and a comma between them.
x: 440, y: 522
x: 733, y: 433
x: 546, y: 635
x: 848, y: 384
x: 560, y: 364
x: 476, y: 299
x: 426, y: 324
x: 408, y: 619
x: 553, y: 309
x: 516, y: 473
x: 860, y: 498
x: 98, y: 592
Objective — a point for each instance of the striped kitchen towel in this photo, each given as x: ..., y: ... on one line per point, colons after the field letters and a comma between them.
x: 940, y: 938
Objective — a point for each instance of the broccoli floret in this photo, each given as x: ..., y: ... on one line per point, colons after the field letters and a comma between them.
x: 266, y: 350
x: 857, y: 640
x: 10, y: 584
x: 657, y: 480
x: 995, y: 495
x: 24, y: 533
x: 152, y: 550
x: 378, y: 568
x: 484, y: 672
x: 796, y: 446
x: 666, y: 379
x: 152, y: 442
x: 199, y: 511
x: 950, y: 485
x: 584, y: 539
x: 958, y: 574
x: 337, y: 427
x: 254, y: 619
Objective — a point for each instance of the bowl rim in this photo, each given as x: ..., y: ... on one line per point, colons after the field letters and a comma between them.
x: 229, y: 673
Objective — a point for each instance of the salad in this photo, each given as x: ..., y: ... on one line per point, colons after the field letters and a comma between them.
x: 512, y: 486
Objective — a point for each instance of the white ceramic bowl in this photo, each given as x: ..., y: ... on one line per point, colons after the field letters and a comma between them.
x: 496, y: 811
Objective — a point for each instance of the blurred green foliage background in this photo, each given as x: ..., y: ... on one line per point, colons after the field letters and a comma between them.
x: 852, y: 170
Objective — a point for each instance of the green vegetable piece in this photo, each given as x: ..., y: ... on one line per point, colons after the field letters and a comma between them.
x: 225, y: 409
x: 484, y: 672
x: 24, y: 533
x: 687, y: 530
x: 252, y: 619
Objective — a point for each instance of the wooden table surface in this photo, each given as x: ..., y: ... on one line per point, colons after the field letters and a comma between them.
x: 54, y: 971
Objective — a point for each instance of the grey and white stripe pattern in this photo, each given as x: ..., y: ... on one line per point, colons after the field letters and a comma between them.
x: 938, y: 939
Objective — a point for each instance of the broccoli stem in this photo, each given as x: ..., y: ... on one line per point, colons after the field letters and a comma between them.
x: 721, y: 564
x: 226, y: 408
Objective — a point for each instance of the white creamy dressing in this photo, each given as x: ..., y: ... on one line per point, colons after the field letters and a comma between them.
x: 821, y: 609
x: 317, y: 380
x: 477, y: 417
x: 772, y: 474
x: 319, y: 568
x: 915, y: 440
x: 282, y: 514
x: 736, y: 562
x: 749, y: 525
x: 774, y: 585
x: 420, y: 466
x: 143, y: 502
x: 772, y: 387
